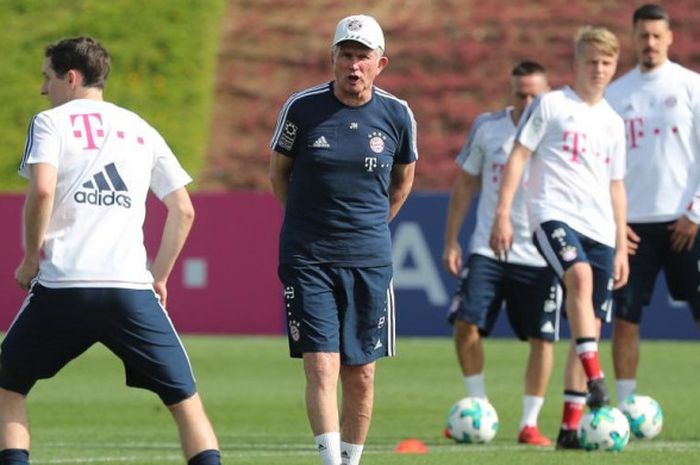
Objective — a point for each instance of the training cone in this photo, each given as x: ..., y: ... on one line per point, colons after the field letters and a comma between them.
x: 411, y: 446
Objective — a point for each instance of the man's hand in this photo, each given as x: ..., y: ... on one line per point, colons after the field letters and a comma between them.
x: 621, y: 270
x: 632, y: 241
x: 501, y: 236
x: 26, y: 272
x: 683, y: 232
x: 452, y: 258
x: 161, y: 289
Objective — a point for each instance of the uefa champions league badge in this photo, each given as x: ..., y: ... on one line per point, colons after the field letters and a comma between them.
x: 671, y: 101
x: 289, y: 135
x: 568, y: 253
x: 376, y: 141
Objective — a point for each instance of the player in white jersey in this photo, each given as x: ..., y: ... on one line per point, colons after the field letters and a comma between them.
x: 525, y: 283
x: 660, y: 103
x: 576, y: 203
x: 90, y: 165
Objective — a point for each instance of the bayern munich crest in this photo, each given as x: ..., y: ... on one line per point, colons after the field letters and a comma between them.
x: 355, y: 25
x: 568, y: 253
x: 294, y: 330
x: 376, y: 142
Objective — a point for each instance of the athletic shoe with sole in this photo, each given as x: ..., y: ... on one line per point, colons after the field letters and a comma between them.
x: 568, y: 439
x: 531, y: 435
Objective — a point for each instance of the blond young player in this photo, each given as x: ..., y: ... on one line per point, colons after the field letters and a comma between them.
x: 576, y: 202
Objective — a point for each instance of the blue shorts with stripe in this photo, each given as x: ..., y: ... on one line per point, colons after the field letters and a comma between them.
x: 654, y: 252
x: 342, y: 310
x: 532, y: 296
x: 55, y: 326
x: 562, y: 247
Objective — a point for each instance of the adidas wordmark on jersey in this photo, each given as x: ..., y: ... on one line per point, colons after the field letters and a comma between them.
x: 107, y: 160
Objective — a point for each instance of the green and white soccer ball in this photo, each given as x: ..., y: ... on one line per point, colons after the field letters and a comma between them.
x: 472, y: 420
x: 645, y: 416
x: 605, y: 428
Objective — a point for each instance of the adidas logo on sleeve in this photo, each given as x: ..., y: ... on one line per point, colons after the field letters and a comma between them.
x: 105, y: 188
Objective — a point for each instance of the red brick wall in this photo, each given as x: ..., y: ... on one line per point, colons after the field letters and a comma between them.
x: 450, y: 59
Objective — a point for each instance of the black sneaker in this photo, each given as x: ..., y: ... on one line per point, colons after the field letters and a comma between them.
x: 568, y: 439
x: 597, y: 394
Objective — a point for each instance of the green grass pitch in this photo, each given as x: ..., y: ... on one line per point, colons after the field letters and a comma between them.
x: 254, y: 395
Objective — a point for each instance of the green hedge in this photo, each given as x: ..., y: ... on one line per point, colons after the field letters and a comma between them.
x: 163, y: 61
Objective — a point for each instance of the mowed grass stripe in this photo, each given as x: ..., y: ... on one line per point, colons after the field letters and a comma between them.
x: 254, y: 395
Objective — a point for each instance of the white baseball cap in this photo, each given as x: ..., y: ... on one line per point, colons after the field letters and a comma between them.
x: 360, y: 28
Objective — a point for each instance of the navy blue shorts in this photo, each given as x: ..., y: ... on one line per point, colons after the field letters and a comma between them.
x: 54, y: 326
x: 562, y: 247
x: 340, y: 310
x: 653, y: 254
x: 532, y: 296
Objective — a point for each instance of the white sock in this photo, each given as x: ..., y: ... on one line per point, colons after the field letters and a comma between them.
x: 350, y: 453
x: 624, y: 388
x: 476, y: 387
x: 531, y: 410
x: 328, y: 446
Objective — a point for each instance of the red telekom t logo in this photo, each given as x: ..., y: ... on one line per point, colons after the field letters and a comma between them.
x: 576, y: 147
x: 635, y: 130
x: 87, y: 128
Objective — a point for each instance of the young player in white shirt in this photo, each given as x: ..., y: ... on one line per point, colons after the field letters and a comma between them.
x: 525, y: 283
x: 660, y: 103
x: 576, y: 202
x: 90, y: 166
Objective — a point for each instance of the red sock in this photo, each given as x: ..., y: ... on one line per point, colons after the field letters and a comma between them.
x: 574, y: 403
x: 587, y: 350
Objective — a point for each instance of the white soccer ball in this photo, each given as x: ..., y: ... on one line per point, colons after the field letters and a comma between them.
x: 645, y: 416
x: 605, y: 428
x: 472, y: 420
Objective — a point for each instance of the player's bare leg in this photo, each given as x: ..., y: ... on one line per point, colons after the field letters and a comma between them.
x: 539, y: 367
x: 537, y: 374
x: 578, y: 281
x: 196, y: 432
x: 470, y: 353
x: 14, y: 425
x: 582, y: 371
x: 625, y: 349
x: 470, y: 356
x: 358, y: 398
x: 322, y: 370
x: 585, y: 329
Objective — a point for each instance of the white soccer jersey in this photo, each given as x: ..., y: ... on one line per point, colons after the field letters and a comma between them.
x: 661, y: 110
x: 485, y: 154
x: 578, y: 149
x: 107, y: 159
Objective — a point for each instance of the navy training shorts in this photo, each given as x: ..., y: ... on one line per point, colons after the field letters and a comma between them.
x: 54, y: 326
x: 342, y: 310
x: 681, y: 269
x: 562, y: 247
x: 532, y: 295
